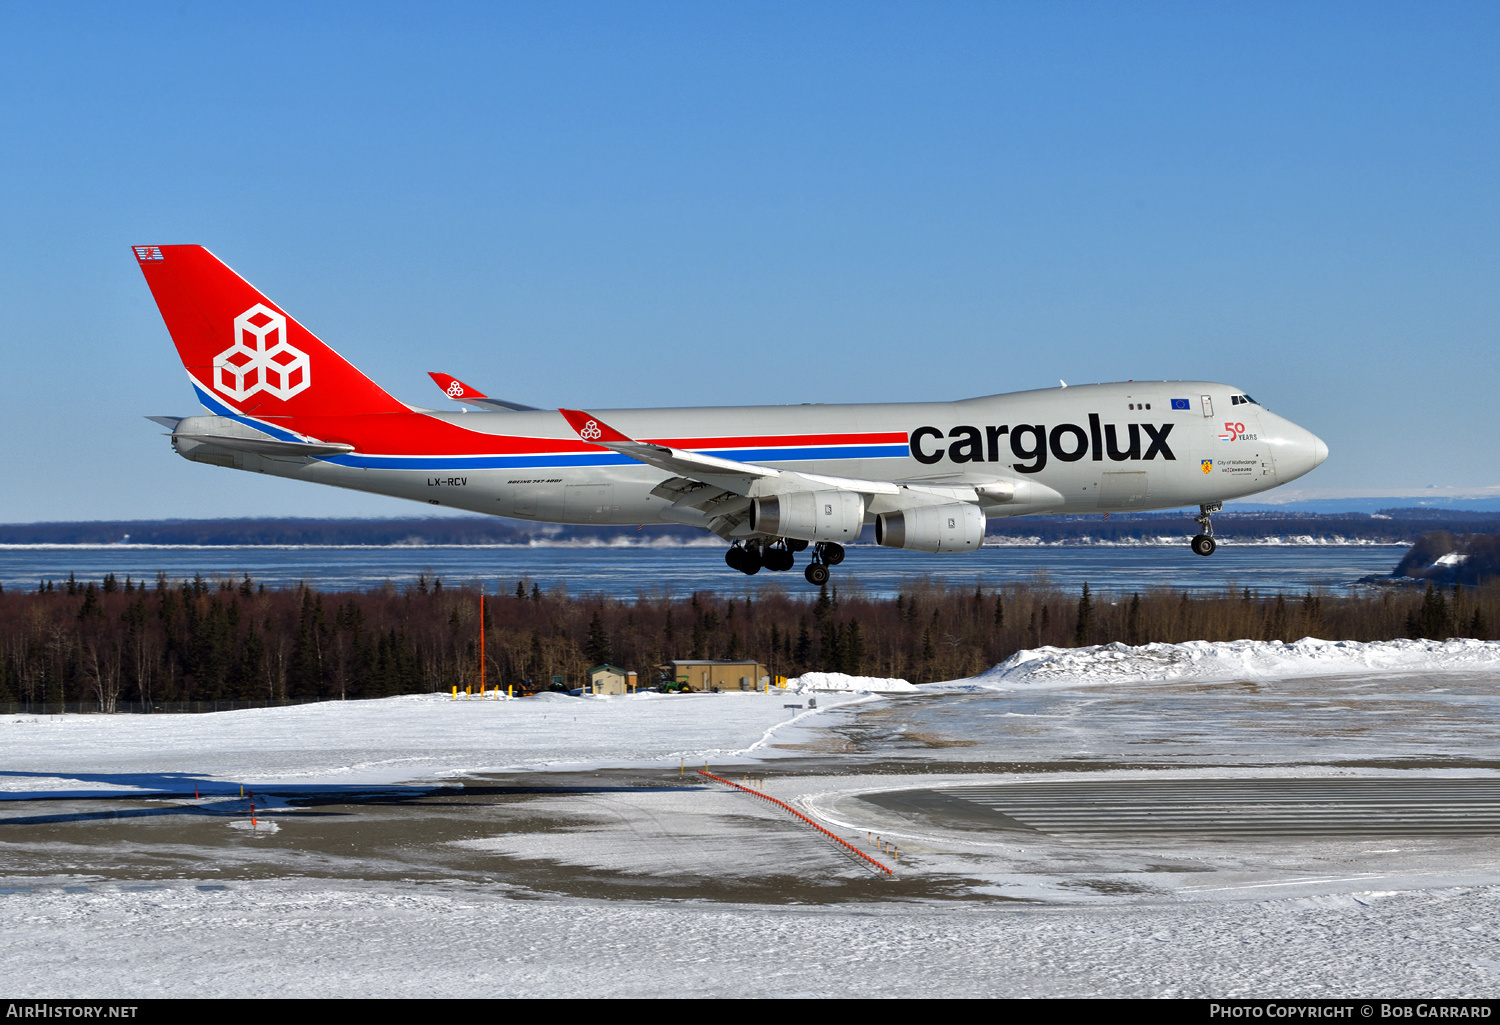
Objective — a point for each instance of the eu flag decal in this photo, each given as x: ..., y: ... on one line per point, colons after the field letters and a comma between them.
x: 1179, y: 403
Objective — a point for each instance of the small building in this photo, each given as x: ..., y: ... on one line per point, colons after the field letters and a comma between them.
x: 709, y: 675
x: 608, y: 679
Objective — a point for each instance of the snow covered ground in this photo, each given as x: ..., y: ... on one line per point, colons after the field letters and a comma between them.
x: 292, y: 939
x: 391, y: 740
x: 615, y: 882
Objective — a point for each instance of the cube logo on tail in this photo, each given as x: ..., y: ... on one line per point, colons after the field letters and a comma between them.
x: 261, y: 359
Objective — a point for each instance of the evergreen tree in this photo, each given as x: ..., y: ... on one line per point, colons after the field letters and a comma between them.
x: 1085, y: 621
x: 596, y: 648
x: 91, y: 608
x: 1434, y: 621
x: 854, y: 650
x: 802, y: 653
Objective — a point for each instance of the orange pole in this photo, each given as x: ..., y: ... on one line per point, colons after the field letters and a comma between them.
x: 481, y: 642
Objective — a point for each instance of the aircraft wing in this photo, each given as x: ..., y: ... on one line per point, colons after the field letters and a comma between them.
x: 472, y: 396
x: 744, y: 479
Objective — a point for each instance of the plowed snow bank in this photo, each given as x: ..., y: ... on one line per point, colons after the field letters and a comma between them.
x: 1227, y: 660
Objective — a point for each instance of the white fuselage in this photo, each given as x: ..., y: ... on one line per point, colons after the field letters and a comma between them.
x: 1083, y: 449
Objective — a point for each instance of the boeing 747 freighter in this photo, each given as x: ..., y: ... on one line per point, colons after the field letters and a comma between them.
x: 770, y: 480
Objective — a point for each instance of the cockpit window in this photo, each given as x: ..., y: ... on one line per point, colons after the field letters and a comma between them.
x: 1238, y: 400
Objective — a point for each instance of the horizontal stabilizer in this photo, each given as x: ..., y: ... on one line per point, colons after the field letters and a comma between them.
x: 223, y: 432
x: 270, y: 446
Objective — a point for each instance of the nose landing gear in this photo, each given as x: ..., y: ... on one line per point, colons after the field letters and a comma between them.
x: 1204, y: 543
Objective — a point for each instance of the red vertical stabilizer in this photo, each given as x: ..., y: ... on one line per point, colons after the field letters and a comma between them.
x: 243, y: 351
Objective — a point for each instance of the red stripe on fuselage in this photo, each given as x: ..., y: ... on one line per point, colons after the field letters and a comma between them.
x: 784, y: 440
x: 417, y: 434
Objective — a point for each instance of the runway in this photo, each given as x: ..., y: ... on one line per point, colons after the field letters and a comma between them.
x: 1277, y: 807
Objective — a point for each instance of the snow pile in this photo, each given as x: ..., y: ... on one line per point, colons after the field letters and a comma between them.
x: 849, y: 684
x: 1228, y: 660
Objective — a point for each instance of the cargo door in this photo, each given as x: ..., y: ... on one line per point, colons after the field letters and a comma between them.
x: 589, y: 503
x: 1123, y: 490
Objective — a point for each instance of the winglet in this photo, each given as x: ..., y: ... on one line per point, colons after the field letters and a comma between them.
x: 590, y: 427
x: 456, y: 389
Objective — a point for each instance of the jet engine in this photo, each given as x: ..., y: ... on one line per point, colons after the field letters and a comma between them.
x: 810, y: 515
x: 958, y: 527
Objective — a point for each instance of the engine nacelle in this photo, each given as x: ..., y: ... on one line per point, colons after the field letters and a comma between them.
x: 932, y: 528
x: 810, y: 515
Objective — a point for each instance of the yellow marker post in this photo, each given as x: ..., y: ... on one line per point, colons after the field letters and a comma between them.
x: 455, y: 692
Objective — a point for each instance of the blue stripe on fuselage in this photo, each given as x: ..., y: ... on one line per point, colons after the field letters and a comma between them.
x: 497, y: 462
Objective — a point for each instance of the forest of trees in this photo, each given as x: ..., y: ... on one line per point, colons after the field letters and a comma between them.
x: 107, y: 642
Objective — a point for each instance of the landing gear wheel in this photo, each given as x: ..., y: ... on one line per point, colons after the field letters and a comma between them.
x: 795, y: 544
x: 778, y: 559
x: 1204, y: 543
x: 831, y: 553
x: 746, y: 560
x: 816, y: 574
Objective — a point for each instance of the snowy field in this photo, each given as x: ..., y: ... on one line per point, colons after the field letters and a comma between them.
x: 391, y: 740
x: 549, y: 846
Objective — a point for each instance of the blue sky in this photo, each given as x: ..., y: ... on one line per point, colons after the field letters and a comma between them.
x: 663, y: 204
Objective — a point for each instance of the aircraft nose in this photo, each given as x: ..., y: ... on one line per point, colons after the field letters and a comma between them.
x: 1296, y: 450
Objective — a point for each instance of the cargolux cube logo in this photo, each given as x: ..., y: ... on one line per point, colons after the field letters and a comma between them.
x: 455, y: 390
x: 260, y: 358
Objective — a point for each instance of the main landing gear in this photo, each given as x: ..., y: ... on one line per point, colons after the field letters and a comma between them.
x: 779, y: 555
x: 1204, y: 544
